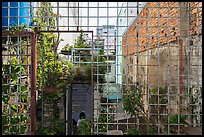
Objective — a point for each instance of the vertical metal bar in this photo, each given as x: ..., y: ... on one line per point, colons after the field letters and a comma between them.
x: 168, y: 63
x: 43, y: 86
x: 92, y: 85
x: 69, y: 110
x: 19, y: 62
x: 137, y: 75
x: 116, y: 54
x: 66, y: 111
x: 158, y: 66
x: 188, y: 64
x: 9, y: 82
x: 107, y: 38
x: 33, y: 83
x: 97, y: 71
x: 127, y: 59
x: 9, y: 7
x: 28, y: 78
x: 78, y: 26
x: 147, y: 69
x: 199, y: 63
x: 18, y: 18
x: 68, y: 16
x: 88, y: 17
x: 58, y: 17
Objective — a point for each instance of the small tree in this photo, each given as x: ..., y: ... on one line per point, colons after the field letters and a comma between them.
x: 47, y: 43
x: 132, y: 103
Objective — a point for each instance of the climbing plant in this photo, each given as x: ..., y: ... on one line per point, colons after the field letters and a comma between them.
x: 15, y: 99
x: 49, y: 69
x: 104, y: 119
x: 132, y: 101
x: 15, y: 89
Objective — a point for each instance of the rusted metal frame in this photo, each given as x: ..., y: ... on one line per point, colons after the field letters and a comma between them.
x: 33, y: 73
x: 33, y: 83
x: 17, y: 33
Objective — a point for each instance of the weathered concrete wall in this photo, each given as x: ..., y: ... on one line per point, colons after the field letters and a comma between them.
x: 195, y: 62
x: 160, y: 67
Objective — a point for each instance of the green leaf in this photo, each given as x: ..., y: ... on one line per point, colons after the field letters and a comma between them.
x: 14, y: 107
x: 14, y: 80
x: 5, y: 88
x: 23, y: 98
x: 5, y: 99
x: 174, y: 119
x: 23, y: 89
x: 5, y: 69
x: 24, y: 118
x: 5, y: 121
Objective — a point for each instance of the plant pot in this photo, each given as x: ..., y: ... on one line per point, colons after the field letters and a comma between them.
x: 50, y: 89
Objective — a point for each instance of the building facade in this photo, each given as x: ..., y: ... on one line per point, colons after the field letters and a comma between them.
x: 107, y: 32
x: 126, y: 16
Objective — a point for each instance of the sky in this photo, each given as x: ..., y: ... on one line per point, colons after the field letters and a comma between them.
x: 90, y: 17
x: 97, y: 16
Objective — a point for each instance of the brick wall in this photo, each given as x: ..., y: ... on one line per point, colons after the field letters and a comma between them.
x: 158, y: 24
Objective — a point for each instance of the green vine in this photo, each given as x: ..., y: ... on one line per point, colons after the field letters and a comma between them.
x: 11, y: 117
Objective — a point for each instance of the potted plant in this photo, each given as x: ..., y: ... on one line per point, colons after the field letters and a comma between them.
x: 66, y: 50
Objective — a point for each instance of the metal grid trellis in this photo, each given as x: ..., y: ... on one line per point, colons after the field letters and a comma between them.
x: 158, y: 50
x: 18, y: 82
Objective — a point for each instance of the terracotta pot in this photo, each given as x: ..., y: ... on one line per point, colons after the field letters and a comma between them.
x: 50, y: 89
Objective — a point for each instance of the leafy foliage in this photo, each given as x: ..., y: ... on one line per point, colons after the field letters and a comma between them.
x: 104, y: 118
x: 56, y: 128
x: 158, y: 96
x: 132, y: 102
x: 49, y: 69
x: 175, y: 119
x: 15, y: 71
x: 85, y: 127
x: 82, y: 72
x: 133, y: 131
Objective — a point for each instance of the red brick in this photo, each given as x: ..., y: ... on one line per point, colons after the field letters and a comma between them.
x: 130, y: 35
